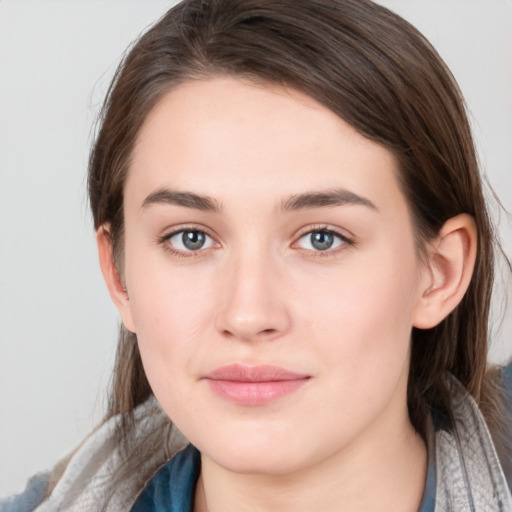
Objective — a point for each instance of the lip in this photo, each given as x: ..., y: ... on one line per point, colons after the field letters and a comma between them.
x: 254, y: 385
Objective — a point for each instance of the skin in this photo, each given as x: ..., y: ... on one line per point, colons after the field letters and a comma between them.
x: 258, y: 292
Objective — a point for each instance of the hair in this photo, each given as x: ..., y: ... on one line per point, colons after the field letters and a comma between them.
x: 376, y: 72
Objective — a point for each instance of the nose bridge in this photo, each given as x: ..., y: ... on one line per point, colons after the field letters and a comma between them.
x: 253, y: 306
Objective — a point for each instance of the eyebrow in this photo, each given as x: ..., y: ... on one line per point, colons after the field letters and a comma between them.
x: 322, y: 199
x: 306, y: 200
x: 186, y: 199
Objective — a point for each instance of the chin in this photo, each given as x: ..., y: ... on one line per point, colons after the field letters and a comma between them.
x: 257, y: 455
x: 248, y: 463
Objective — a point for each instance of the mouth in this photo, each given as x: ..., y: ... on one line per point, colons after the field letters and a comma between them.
x: 254, y: 385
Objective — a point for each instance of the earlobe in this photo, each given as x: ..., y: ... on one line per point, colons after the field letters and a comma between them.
x: 451, y: 260
x: 113, y: 278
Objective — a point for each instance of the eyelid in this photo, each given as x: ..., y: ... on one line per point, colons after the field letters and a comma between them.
x: 172, y: 230
x: 347, y: 238
x: 175, y: 230
x: 341, y: 232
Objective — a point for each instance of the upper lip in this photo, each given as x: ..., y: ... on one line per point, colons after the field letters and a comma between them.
x: 259, y: 373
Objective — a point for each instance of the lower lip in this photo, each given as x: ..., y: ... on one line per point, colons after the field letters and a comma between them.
x: 255, y: 393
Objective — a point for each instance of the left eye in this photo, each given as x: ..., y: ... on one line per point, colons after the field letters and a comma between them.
x: 190, y: 240
x: 320, y: 240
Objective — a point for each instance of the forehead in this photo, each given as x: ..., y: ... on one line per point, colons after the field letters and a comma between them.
x: 226, y: 136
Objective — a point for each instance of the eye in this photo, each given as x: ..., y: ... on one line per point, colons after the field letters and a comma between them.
x: 321, y: 240
x: 189, y: 240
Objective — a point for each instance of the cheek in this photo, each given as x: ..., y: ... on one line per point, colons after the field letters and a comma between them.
x: 166, y: 298
x: 171, y: 310
x: 362, y: 316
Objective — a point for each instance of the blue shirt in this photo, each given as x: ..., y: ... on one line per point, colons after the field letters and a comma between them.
x: 172, y: 488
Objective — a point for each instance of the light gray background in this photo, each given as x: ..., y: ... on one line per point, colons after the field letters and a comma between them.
x: 57, y: 326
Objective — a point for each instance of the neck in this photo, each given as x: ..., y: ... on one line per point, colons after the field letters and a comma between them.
x: 383, y: 472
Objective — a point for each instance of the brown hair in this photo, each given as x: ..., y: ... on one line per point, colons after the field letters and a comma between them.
x: 375, y: 71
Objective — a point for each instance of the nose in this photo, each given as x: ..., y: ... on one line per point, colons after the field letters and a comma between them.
x: 253, y: 303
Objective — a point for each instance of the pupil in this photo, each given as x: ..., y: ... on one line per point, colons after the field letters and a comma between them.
x: 193, y: 240
x: 321, y: 240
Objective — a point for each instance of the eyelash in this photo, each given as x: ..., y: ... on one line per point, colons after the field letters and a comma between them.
x: 164, y: 240
x: 346, y: 242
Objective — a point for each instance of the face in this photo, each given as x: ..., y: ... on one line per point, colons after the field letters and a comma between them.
x: 272, y: 276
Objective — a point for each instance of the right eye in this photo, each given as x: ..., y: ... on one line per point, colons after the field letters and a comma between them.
x: 189, y: 240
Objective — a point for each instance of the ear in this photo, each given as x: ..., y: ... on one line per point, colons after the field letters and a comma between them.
x: 113, y: 278
x: 447, y: 274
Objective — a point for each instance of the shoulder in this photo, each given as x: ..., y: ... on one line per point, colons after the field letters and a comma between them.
x: 30, y: 498
x: 500, y: 421
x: 90, y: 479
x: 471, y: 458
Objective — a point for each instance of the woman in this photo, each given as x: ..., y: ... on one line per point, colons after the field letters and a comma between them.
x: 291, y: 223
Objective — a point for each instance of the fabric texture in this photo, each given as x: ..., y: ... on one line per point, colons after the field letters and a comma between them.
x: 468, y: 475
